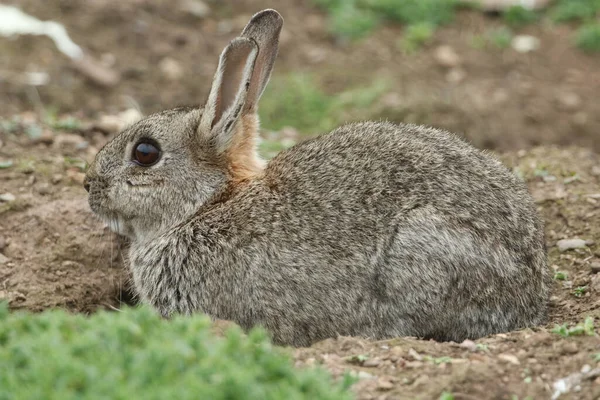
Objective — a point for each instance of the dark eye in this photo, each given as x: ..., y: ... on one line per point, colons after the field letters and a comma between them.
x: 145, y: 154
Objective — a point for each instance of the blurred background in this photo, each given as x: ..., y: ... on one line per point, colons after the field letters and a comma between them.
x: 507, y: 74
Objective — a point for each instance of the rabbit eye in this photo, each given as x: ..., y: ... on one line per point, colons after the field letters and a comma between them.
x: 146, y: 154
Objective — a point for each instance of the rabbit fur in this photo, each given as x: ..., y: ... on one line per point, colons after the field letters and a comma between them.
x: 375, y: 229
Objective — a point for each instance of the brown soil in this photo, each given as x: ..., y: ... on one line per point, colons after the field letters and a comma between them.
x: 57, y: 255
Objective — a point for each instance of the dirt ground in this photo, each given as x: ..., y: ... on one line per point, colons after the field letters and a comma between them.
x: 539, y: 111
x: 498, y: 98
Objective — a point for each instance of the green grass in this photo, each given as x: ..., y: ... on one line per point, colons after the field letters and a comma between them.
x: 519, y: 16
x: 560, y: 276
x: 353, y: 19
x: 296, y: 100
x: 500, y: 37
x: 588, y: 38
x: 134, y: 354
x: 415, y: 36
x: 579, y: 291
x: 574, y: 10
x: 586, y: 328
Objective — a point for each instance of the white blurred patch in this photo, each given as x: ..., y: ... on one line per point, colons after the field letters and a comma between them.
x: 15, y: 22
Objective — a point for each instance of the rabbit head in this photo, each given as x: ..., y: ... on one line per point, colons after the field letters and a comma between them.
x: 158, y: 172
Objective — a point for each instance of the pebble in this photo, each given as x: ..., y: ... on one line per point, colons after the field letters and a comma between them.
x: 69, y: 140
x: 46, y: 137
x: 570, y: 244
x: 456, y: 75
x: 447, y: 57
x: 385, y: 383
x: 595, y: 267
x: 525, y: 43
x: 509, y: 358
x: 362, y: 375
x: 501, y: 5
x: 57, y: 178
x: 43, y: 189
x: 111, y: 124
x: 7, y: 197
x: 170, y: 68
x: 469, y: 345
x: 595, y: 284
x: 415, y: 356
x: 570, y: 348
x: 197, y: 8
x: 569, y: 101
x: 372, y: 363
x: 3, y: 259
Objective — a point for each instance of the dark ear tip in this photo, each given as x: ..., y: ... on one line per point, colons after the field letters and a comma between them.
x: 268, y: 16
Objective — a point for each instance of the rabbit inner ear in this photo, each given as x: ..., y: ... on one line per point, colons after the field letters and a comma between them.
x: 264, y: 28
x: 228, y: 93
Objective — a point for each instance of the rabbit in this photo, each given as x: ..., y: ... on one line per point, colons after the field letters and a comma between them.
x: 375, y: 230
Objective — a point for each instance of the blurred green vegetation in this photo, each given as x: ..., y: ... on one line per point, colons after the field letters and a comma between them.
x: 297, y: 100
x: 134, y: 354
x: 353, y: 19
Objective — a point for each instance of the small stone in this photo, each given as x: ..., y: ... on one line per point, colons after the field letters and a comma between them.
x: 46, y: 137
x: 197, y: 8
x: 595, y: 284
x: 69, y: 140
x: 363, y: 375
x: 595, y: 267
x: 570, y: 348
x: 502, y: 5
x: 56, y: 178
x: 525, y: 43
x: 43, y: 189
x: 447, y: 57
x: 509, y: 358
x: 469, y: 345
x: 7, y: 197
x: 456, y: 75
x: 569, y: 101
x: 372, y: 363
x: 3, y: 259
x: 170, y: 68
x: 110, y: 124
x: 415, y: 356
x: 384, y: 383
x: 570, y: 244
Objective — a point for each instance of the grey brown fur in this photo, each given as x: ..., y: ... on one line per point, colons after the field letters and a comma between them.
x: 375, y: 229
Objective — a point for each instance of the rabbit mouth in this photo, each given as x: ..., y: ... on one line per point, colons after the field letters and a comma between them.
x: 115, y: 223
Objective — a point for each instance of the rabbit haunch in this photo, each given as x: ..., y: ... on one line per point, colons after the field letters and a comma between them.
x: 375, y: 229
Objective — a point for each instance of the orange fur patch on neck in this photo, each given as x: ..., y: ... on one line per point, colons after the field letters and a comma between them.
x: 242, y: 156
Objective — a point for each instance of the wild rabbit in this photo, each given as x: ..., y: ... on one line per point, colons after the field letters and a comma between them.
x: 375, y: 229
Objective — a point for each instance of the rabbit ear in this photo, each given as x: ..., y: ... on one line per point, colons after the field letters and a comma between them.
x: 264, y: 28
x: 227, y: 98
